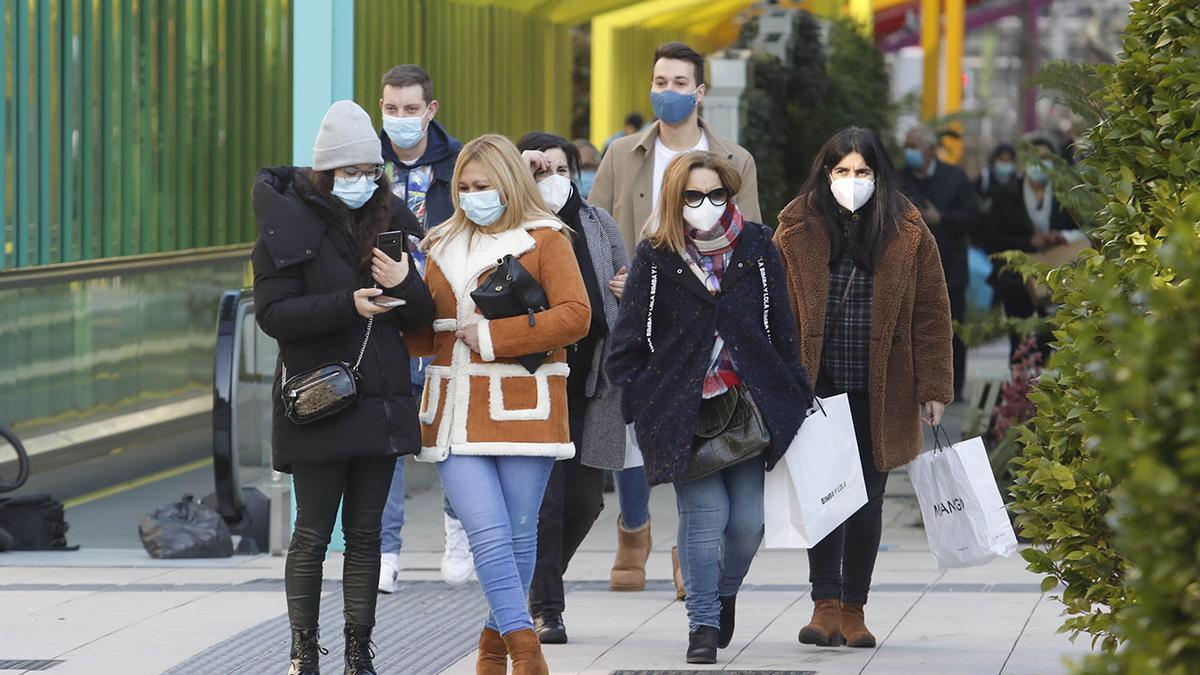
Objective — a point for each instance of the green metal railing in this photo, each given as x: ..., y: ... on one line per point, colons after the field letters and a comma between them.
x: 135, y: 126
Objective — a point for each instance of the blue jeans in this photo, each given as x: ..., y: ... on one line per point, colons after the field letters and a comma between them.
x: 720, y: 528
x: 497, y: 499
x: 633, y: 492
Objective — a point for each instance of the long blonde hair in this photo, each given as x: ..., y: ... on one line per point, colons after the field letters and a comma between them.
x: 671, y: 231
x: 509, y: 175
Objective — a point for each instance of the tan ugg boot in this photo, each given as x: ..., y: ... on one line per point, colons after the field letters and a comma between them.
x: 680, y: 592
x: 633, y: 549
x: 493, y: 654
x: 825, y: 628
x: 526, y: 652
x: 854, y: 627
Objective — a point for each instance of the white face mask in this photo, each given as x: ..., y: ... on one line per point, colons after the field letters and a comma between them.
x: 852, y: 193
x: 703, y: 217
x: 556, y: 190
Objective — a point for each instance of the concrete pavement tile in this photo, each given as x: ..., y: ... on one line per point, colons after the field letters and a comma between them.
x: 1041, y: 648
x: 955, y: 633
x: 20, y: 605
x: 1010, y: 570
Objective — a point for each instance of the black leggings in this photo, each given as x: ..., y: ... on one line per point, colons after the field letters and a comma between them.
x: 573, y: 500
x: 364, y: 483
x: 840, y: 567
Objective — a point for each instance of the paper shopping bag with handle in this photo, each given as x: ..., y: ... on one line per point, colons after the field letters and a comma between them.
x: 965, y: 519
x: 818, y: 483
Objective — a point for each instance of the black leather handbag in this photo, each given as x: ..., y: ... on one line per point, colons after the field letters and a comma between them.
x: 731, y: 431
x: 512, y: 291
x: 323, y: 391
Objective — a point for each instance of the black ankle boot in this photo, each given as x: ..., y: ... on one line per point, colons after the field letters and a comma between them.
x: 727, y: 616
x: 358, y: 650
x: 702, y: 645
x: 548, y: 625
x: 306, y: 653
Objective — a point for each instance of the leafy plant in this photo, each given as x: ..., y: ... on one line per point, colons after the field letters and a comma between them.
x: 1107, y: 483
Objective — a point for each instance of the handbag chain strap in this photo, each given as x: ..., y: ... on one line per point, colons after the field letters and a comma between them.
x: 361, y: 352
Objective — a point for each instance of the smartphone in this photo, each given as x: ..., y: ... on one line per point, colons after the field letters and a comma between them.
x: 386, y: 301
x: 391, y: 243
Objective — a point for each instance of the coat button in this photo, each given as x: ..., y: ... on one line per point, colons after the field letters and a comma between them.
x: 271, y: 232
x: 678, y: 271
x: 642, y: 195
x: 741, y: 264
x: 282, y: 261
x: 308, y: 251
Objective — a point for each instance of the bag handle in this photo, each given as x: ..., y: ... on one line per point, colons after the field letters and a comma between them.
x: 937, y: 444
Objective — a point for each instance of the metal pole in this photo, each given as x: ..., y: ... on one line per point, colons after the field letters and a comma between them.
x: 930, y: 43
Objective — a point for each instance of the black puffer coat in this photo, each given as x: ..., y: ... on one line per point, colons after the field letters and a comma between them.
x: 305, y: 274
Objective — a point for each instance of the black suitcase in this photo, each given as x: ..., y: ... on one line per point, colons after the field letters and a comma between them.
x: 35, y: 522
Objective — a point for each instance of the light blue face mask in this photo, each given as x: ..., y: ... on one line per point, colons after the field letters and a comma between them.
x: 586, y: 178
x: 482, y: 208
x: 914, y: 159
x: 405, y: 132
x: 1037, y: 172
x: 1004, y: 170
x: 354, y: 192
x: 671, y: 106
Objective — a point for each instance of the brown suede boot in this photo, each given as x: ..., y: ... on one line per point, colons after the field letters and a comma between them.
x: 526, y: 652
x: 493, y: 654
x: 854, y: 627
x: 825, y: 628
x: 633, y: 549
x: 680, y: 592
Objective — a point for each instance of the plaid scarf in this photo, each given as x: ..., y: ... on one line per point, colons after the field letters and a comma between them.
x: 709, y: 253
x: 711, y: 250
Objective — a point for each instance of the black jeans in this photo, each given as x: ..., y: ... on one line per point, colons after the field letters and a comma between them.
x: 319, y: 489
x: 840, y: 567
x: 573, y: 500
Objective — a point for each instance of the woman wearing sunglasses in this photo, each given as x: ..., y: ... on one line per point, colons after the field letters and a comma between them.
x: 705, y: 351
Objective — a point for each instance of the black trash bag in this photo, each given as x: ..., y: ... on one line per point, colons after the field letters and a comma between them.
x: 185, y: 529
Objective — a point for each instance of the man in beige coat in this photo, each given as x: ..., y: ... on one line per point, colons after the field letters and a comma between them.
x: 627, y: 186
x: 630, y: 174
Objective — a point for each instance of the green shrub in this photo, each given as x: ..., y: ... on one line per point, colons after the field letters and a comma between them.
x: 1107, y: 483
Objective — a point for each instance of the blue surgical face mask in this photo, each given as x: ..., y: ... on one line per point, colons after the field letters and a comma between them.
x: 586, y: 178
x: 1004, y: 170
x: 1037, y: 173
x: 914, y: 159
x: 405, y: 132
x: 671, y: 106
x: 354, y: 192
x: 482, y: 208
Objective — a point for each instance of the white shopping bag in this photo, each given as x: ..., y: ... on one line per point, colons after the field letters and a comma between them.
x: 818, y: 483
x: 633, y: 454
x: 965, y: 518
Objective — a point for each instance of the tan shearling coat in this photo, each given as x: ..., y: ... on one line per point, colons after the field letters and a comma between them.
x: 910, y: 354
x: 486, y: 403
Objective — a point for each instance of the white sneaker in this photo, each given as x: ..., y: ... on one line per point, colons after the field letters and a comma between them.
x: 389, y: 569
x: 457, y: 562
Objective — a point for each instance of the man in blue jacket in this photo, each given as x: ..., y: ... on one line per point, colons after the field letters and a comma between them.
x: 419, y: 156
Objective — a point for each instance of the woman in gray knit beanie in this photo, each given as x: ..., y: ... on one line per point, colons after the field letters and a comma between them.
x: 327, y: 294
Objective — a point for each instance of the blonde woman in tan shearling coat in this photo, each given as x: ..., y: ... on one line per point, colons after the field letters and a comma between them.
x: 493, y: 428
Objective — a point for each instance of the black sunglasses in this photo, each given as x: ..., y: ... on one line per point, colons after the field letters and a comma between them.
x: 694, y: 198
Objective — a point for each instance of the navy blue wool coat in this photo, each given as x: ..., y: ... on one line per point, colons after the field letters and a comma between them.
x: 663, y: 339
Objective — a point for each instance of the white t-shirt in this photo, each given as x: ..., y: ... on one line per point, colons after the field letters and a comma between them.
x: 662, y: 157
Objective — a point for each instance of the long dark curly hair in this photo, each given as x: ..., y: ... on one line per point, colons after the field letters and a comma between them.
x: 363, y: 224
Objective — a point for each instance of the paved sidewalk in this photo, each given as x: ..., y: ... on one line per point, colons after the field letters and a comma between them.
x: 116, y: 611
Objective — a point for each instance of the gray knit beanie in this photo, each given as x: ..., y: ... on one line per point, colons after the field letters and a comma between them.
x: 346, y: 138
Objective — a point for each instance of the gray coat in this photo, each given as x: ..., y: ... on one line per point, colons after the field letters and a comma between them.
x: 603, y: 445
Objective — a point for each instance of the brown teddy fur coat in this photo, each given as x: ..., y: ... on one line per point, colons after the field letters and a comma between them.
x: 910, y: 354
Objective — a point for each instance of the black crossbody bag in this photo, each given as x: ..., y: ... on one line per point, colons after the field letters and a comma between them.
x: 323, y: 391
x: 512, y: 291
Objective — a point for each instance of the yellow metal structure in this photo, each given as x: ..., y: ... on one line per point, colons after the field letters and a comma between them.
x: 930, y: 44
x: 623, y: 43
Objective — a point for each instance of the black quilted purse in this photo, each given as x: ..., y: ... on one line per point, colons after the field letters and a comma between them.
x: 323, y: 391
x: 730, y: 431
x: 512, y: 291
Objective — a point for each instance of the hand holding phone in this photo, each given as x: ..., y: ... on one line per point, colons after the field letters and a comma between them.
x: 387, y: 271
